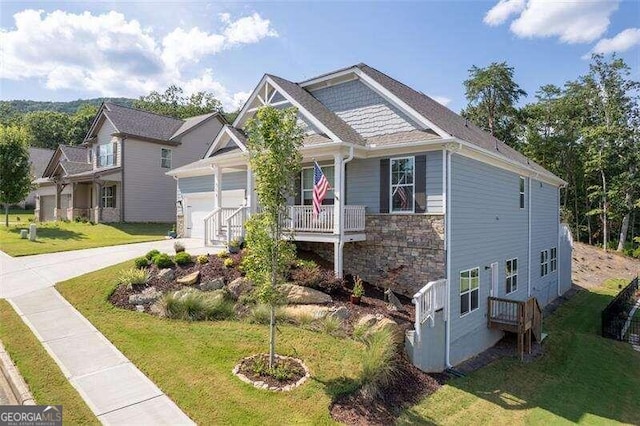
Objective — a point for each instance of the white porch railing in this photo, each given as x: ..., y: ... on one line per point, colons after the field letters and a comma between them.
x: 302, y: 219
x: 428, y: 300
x: 354, y: 218
x: 215, y: 223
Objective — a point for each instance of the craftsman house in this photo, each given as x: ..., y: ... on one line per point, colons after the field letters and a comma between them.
x: 469, y: 226
x: 118, y: 173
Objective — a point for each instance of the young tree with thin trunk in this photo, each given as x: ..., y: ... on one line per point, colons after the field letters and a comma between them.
x: 274, y: 158
x: 15, y: 173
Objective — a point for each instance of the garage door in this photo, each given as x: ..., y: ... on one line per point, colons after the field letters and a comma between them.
x: 197, y: 209
x: 47, y: 207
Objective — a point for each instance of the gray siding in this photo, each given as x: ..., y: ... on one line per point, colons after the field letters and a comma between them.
x: 150, y: 195
x: 234, y: 180
x: 363, y: 182
x: 363, y: 109
x: 487, y: 225
x: 189, y: 185
x: 544, y: 235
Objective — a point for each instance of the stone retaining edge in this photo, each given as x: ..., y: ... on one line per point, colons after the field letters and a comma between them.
x: 16, y: 382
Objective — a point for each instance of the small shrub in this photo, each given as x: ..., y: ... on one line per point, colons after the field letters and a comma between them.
x: 198, y: 306
x: 228, y: 263
x: 379, y: 362
x: 153, y: 253
x: 301, y: 317
x: 183, y: 258
x: 330, y: 325
x: 133, y: 276
x: 163, y: 261
x: 358, y: 287
x: 141, y: 262
x: 178, y: 247
x: 307, y: 274
x: 223, y: 254
x: 636, y: 253
x: 261, y: 314
x: 202, y: 259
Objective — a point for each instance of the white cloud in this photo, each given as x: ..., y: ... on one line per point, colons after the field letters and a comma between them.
x: 570, y: 21
x: 502, y: 11
x: 109, y: 55
x: 621, y: 42
x: 442, y: 100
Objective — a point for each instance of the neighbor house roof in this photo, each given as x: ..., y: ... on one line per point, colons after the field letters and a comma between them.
x: 192, y: 122
x: 135, y: 122
x: 334, y: 123
x: 74, y: 153
x: 39, y: 158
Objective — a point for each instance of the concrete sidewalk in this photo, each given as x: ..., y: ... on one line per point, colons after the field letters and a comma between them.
x: 113, y: 388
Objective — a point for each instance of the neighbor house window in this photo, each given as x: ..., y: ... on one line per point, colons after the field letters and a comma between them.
x: 469, y: 289
x: 522, y: 186
x: 307, y: 184
x: 108, y: 196
x: 165, y: 158
x: 511, y: 273
x: 554, y: 259
x: 402, y: 184
x: 544, y: 262
x: 106, y: 154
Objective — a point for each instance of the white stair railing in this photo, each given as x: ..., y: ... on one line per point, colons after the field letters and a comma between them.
x: 234, y: 223
x: 428, y: 300
x: 215, y: 223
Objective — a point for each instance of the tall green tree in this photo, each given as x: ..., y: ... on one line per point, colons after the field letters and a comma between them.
x: 492, y: 95
x: 15, y: 173
x: 80, y: 123
x: 47, y: 129
x: 174, y: 103
x: 273, y: 144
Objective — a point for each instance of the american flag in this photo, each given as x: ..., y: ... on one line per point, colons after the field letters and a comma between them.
x: 320, y: 188
x: 404, y: 201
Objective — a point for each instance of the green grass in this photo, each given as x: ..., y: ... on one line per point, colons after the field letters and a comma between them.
x: 581, y: 378
x: 15, y: 214
x: 46, y: 382
x: 192, y: 361
x: 64, y: 236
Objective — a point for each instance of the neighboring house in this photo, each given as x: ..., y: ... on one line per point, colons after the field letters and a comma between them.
x: 38, y: 160
x: 422, y: 202
x: 118, y: 173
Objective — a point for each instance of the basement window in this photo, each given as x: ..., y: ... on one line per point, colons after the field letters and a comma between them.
x: 554, y: 259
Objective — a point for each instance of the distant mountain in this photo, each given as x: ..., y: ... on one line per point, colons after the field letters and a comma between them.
x: 69, y: 107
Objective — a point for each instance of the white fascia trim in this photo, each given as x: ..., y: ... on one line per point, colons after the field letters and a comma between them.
x: 399, y: 103
x: 329, y: 77
x: 224, y: 131
x: 306, y: 113
x: 485, y: 156
x: 249, y: 101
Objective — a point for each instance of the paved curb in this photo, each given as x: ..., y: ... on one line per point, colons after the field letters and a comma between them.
x: 17, y: 383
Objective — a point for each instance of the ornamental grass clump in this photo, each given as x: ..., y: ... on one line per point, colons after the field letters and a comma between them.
x: 379, y: 362
x: 132, y: 277
x: 202, y: 259
x: 261, y: 314
x: 198, y: 306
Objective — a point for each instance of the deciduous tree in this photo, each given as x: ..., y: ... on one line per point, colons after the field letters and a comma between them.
x: 15, y: 174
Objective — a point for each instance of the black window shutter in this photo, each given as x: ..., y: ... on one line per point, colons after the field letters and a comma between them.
x: 115, y: 153
x: 384, y: 185
x: 114, y: 196
x: 298, y: 190
x: 421, y: 184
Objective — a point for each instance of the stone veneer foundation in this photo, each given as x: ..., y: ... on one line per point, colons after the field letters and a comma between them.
x: 414, y: 243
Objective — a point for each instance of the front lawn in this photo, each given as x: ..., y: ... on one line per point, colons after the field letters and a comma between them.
x: 45, y: 379
x: 581, y: 378
x: 18, y: 216
x: 64, y: 236
x: 192, y: 361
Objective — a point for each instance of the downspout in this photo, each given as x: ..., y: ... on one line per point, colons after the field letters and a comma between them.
x: 447, y: 200
x: 558, y: 246
x: 529, y: 195
x: 122, y: 219
x: 343, y: 206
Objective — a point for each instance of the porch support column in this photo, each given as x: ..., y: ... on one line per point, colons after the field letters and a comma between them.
x: 72, y: 202
x: 217, y: 196
x: 56, y: 212
x: 337, y: 214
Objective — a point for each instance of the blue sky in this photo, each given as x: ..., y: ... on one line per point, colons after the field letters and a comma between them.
x: 64, y: 51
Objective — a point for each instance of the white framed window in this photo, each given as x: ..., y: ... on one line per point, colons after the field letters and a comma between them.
x: 469, y: 290
x: 511, y: 274
x: 402, y: 184
x: 522, y: 189
x: 108, y: 196
x: 307, y: 184
x: 165, y: 158
x: 554, y: 259
x: 106, y: 154
x: 544, y: 263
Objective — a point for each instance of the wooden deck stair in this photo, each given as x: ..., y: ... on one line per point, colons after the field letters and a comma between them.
x: 523, y: 317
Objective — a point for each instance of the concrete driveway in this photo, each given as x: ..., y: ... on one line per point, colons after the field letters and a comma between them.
x: 113, y: 388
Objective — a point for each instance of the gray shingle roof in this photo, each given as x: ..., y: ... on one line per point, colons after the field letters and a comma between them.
x: 239, y: 134
x: 145, y: 124
x: 72, y: 167
x: 74, y: 153
x: 446, y: 119
x: 39, y: 158
x: 319, y: 111
x: 191, y: 122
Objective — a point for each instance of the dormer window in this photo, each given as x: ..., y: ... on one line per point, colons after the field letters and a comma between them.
x: 106, y: 155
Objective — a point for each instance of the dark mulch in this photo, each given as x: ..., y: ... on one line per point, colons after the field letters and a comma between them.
x: 213, y: 269
x: 256, y: 369
x: 408, y: 389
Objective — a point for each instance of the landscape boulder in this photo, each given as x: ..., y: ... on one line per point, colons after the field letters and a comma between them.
x: 240, y: 286
x: 298, y: 295
x: 190, y: 279
x: 148, y: 295
x: 213, y: 284
x: 340, y: 313
x: 377, y: 322
x: 166, y: 275
x: 315, y: 311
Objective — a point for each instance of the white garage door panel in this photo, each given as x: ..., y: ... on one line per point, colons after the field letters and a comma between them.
x: 233, y: 198
x: 197, y: 209
x: 47, y: 206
